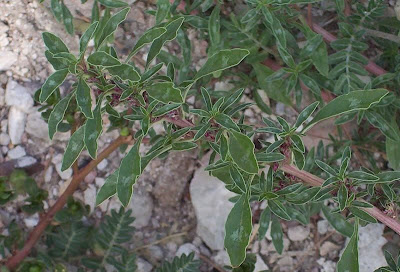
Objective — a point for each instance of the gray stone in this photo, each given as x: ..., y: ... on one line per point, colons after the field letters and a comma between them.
x: 370, y: 247
x: 18, y: 96
x: 16, y: 124
x: 260, y: 264
x: 327, y: 247
x: 7, y: 60
x: 102, y: 165
x: 32, y: 220
x: 16, y: 153
x: 142, y: 206
x: 89, y: 196
x: 211, y: 204
x: 63, y: 174
x: 2, y: 97
x: 327, y: 265
x: 143, y: 266
x: 36, y: 126
x: 187, y: 249
x: 298, y: 233
x: 4, y: 139
x: 324, y: 226
x: 221, y: 258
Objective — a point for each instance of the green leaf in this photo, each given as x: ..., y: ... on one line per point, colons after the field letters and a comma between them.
x: 57, y: 114
x: 52, y: 83
x: 83, y: 98
x: 354, y: 101
x: 305, y: 196
x: 393, y: 148
x: 361, y: 175
x: 226, y: 121
x: 162, y: 10
x: 165, y: 92
x: 200, y: 133
x: 183, y: 146
x: 241, y: 149
x: 112, y: 25
x: 86, y: 37
x: 237, y: 178
x: 278, y: 209
x: 383, y: 125
x: 389, y: 176
x: 108, y: 189
x: 349, y: 260
x: 338, y: 222
x: 103, y: 59
x: 68, y: 19
x: 56, y: 8
x: 273, y: 89
x: 265, y: 220
x: 57, y: 63
x: 54, y: 43
x: 169, y: 35
x: 129, y: 171
x: 148, y: 37
x: 124, y: 72
x: 277, y: 234
x: 269, y: 157
x: 221, y: 60
x: 342, y: 197
x: 238, y: 228
x: 165, y: 109
x: 298, y: 158
x: 214, y: 26
x: 93, y: 130
x: 74, y: 148
x: 305, y: 114
x: 326, y: 168
x: 298, y: 142
x: 113, y: 3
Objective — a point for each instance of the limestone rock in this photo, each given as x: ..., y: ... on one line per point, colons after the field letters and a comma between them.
x: 18, y: 96
x: 16, y: 124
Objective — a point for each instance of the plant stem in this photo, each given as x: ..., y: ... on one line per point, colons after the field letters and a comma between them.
x: 46, y: 219
x: 316, y: 181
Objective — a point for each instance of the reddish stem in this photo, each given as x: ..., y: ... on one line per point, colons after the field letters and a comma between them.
x: 46, y: 219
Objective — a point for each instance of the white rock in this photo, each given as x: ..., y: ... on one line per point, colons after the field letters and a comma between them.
x: 221, y: 258
x: 280, y: 109
x: 327, y: 265
x: 2, y: 97
x: 211, y: 205
x: 32, y: 221
x: 64, y: 175
x: 36, y: 126
x: 142, y: 208
x: 187, y: 249
x: 18, y: 96
x: 16, y: 153
x: 4, y: 139
x: 26, y: 161
x: 48, y: 174
x: 298, y: 233
x: 102, y: 165
x: 328, y: 247
x: 370, y: 247
x: 99, y: 182
x: 143, y: 266
x: 260, y: 264
x: 16, y: 124
x: 4, y: 125
x: 90, y: 196
x: 323, y: 226
x: 7, y: 60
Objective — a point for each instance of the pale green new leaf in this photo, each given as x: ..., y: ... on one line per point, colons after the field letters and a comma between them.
x: 238, y: 228
x: 241, y: 149
x: 222, y: 60
x: 354, y: 101
x: 74, y: 148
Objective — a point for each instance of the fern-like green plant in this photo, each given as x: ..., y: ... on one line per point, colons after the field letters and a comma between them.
x: 184, y: 263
